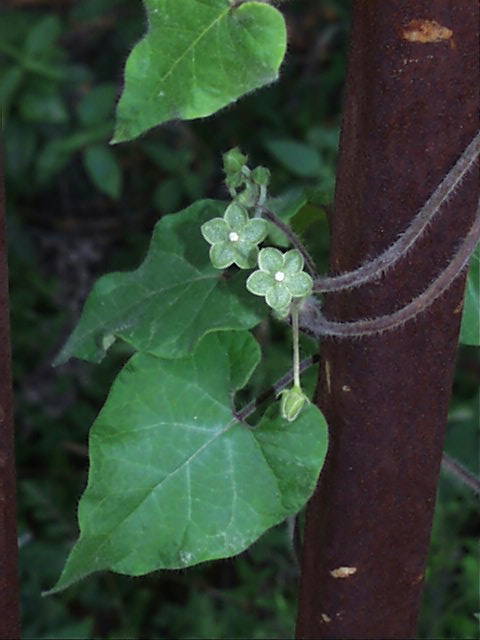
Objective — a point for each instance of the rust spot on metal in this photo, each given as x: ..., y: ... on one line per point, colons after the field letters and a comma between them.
x: 458, y: 308
x: 328, y: 376
x: 343, y: 572
x: 426, y: 31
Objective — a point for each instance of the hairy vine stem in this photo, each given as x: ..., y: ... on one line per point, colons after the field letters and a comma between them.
x: 323, y: 327
x: 375, y: 268
x: 275, y: 389
x: 459, y: 472
x: 449, y: 464
x: 294, y: 239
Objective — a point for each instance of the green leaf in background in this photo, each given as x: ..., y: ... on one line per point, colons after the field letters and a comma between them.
x: 175, y: 479
x: 42, y: 104
x: 43, y: 36
x: 20, y: 148
x: 168, y: 195
x: 103, y: 169
x: 170, y: 301
x: 97, y: 105
x: 10, y: 81
x: 197, y: 57
x: 300, y: 159
x: 470, y: 331
x: 287, y: 205
x: 57, y: 153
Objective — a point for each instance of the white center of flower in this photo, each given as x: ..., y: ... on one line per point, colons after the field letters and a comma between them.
x: 279, y: 276
x: 234, y: 237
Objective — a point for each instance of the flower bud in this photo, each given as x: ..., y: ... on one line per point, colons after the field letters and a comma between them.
x: 292, y: 403
x: 234, y: 161
x: 261, y: 176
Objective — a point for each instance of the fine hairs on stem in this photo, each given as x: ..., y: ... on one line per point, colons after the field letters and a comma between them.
x: 294, y: 239
x: 449, y: 464
x: 376, y: 267
x: 281, y: 384
x: 324, y: 327
x: 296, y: 347
x: 460, y: 473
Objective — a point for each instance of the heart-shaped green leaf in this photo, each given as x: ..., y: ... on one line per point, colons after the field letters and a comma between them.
x: 470, y: 332
x: 197, y: 57
x: 173, y: 299
x: 175, y: 478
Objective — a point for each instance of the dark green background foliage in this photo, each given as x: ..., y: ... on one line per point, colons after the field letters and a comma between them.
x: 78, y: 208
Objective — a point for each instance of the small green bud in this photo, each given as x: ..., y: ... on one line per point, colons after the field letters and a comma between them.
x: 234, y: 181
x: 234, y: 161
x: 292, y: 402
x: 261, y: 176
x: 248, y: 197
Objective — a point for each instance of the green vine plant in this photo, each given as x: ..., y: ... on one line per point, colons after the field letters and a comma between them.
x: 179, y: 473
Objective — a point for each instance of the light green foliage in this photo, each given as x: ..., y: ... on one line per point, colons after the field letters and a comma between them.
x: 175, y: 479
x: 234, y: 238
x: 197, y: 57
x: 168, y: 303
x: 280, y: 278
x: 470, y: 332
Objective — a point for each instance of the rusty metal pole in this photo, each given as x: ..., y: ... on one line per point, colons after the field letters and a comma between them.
x: 9, y: 589
x: 411, y: 108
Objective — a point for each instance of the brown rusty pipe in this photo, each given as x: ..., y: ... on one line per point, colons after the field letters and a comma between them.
x: 411, y: 108
x: 9, y: 590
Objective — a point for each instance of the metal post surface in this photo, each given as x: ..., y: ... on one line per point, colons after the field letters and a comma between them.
x: 9, y: 588
x: 411, y: 108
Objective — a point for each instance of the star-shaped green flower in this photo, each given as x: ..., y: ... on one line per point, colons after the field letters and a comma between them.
x: 280, y: 278
x: 234, y: 238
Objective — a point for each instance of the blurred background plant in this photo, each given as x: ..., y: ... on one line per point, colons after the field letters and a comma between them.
x: 78, y: 208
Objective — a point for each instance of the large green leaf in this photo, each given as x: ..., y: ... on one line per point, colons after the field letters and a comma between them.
x: 197, y: 57
x: 170, y: 301
x: 470, y: 332
x: 175, y: 479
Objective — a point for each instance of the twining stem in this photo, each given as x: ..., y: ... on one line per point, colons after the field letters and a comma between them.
x: 458, y: 471
x: 324, y: 327
x: 294, y: 240
x: 449, y: 464
x: 376, y: 267
x: 296, y: 346
x: 281, y: 384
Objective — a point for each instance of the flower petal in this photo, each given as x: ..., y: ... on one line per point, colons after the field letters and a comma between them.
x: 255, y: 231
x: 278, y: 297
x: 245, y: 254
x: 236, y: 217
x: 299, y: 285
x: 249, y: 251
x: 270, y: 260
x: 222, y: 255
x: 293, y: 261
x: 260, y: 282
x: 215, y: 230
